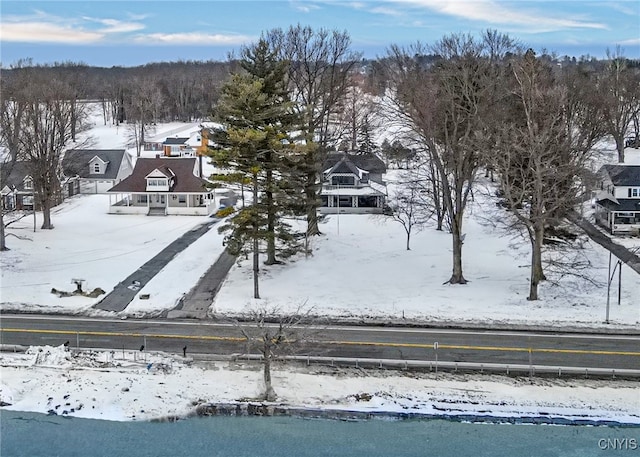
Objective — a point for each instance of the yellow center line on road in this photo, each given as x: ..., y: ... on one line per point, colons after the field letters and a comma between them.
x: 339, y: 343
x: 485, y: 348
x: 154, y: 335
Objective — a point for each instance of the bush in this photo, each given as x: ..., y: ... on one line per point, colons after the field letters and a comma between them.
x: 224, y: 212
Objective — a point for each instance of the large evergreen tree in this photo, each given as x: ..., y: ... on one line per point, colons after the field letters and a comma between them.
x: 256, y: 117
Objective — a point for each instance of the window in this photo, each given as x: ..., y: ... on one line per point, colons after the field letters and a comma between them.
x: 345, y: 202
x: 151, y: 182
x: 182, y: 199
x: 342, y: 180
x: 634, y: 192
x: 141, y: 198
x: 96, y: 167
x: 28, y: 183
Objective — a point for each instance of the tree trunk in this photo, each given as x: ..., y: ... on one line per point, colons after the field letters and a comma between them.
x: 620, y: 148
x: 3, y: 240
x: 456, y: 276
x: 256, y: 243
x: 46, y: 214
x: 271, y: 221
x: 312, y: 210
x: 269, y: 393
x: 408, y: 239
x: 537, y: 274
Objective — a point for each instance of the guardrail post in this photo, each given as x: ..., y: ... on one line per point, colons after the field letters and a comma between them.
x: 435, y: 348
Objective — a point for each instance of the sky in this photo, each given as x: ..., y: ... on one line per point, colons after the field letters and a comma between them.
x: 136, y: 32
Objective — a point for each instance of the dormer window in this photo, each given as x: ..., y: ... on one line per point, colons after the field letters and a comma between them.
x: 342, y: 180
x: 28, y: 182
x: 96, y: 167
x: 156, y: 182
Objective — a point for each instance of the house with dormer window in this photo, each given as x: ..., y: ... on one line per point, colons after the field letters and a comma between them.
x: 163, y: 186
x: 94, y: 171
x: 17, y: 188
x: 353, y: 183
x: 617, y: 203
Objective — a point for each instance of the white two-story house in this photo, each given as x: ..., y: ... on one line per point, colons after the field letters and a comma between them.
x: 353, y: 183
x: 617, y: 205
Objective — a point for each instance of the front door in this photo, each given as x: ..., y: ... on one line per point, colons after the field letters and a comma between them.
x: 157, y: 201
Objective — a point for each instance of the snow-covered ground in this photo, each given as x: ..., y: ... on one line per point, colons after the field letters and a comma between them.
x: 113, y: 386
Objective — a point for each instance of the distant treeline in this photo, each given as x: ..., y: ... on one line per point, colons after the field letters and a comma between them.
x: 188, y: 90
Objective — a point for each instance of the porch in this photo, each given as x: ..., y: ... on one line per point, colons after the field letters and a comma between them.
x: 157, y: 203
x: 621, y: 218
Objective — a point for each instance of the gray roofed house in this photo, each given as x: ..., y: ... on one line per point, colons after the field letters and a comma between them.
x: 163, y: 186
x: 95, y: 171
x: 177, y: 147
x: 617, y: 205
x: 353, y: 183
x: 17, y: 187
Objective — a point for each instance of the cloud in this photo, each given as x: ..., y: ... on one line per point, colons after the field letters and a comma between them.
x: 116, y: 26
x: 304, y: 7
x: 492, y: 12
x: 41, y: 27
x: 192, y: 38
x: 630, y: 42
x: 46, y: 32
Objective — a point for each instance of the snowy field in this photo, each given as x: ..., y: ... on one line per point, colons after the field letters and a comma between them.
x: 111, y: 386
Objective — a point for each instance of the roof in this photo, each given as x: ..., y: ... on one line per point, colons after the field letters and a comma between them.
x: 176, y: 140
x: 76, y: 162
x: 368, y: 162
x: 622, y: 175
x: 15, y: 179
x: 624, y: 204
x: 182, y: 169
x: 344, y: 166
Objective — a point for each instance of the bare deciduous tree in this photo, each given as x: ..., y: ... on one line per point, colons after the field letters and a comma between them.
x: 543, y: 153
x: 46, y: 130
x: 12, y: 113
x: 319, y: 73
x: 411, y: 204
x: 274, y: 334
x: 444, y: 102
x: 620, y: 90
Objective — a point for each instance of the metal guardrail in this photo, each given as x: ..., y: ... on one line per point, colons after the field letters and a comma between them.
x: 435, y: 365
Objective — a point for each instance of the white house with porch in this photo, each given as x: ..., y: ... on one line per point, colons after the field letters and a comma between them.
x: 352, y: 183
x: 617, y: 205
x: 163, y: 186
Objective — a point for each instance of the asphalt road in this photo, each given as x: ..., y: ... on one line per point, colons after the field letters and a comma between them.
x: 504, y: 347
